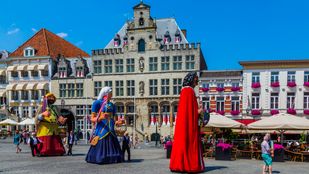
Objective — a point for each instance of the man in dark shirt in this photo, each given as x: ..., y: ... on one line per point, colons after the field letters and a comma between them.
x: 126, y: 146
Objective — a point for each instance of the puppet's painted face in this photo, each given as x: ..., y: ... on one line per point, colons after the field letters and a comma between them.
x: 51, y: 100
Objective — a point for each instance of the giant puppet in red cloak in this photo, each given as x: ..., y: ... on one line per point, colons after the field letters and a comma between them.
x: 187, y: 148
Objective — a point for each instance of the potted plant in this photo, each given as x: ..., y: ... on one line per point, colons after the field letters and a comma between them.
x: 235, y: 88
x: 291, y: 111
x: 255, y: 112
x: 306, y: 111
x: 291, y: 84
x: 221, y: 112
x: 205, y: 89
x: 223, y: 151
x: 275, y: 84
x: 220, y: 89
x: 235, y: 112
x: 306, y: 84
x: 278, y: 153
x: 274, y: 112
x: 256, y: 85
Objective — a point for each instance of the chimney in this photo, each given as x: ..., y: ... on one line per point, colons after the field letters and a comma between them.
x: 184, y: 32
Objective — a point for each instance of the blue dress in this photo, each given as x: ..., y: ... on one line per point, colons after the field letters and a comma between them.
x: 107, y: 150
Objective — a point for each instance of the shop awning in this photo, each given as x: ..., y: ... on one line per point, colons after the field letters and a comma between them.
x: 32, y: 67
x: 12, y: 68
x: 43, y: 67
x: 31, y: 86
x: 21, y: 86
x: 2, y: 72
x: 246, y: 121
x: 42, y: 86
x: 22, y: 67
x: 11, y: 87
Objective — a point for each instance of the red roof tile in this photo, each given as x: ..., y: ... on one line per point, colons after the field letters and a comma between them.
x: 47, y: 43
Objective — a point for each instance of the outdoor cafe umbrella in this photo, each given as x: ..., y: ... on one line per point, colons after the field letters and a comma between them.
x: 220, y: 121
x: 281, y: 122
x: 28, y: 121
x: 8, y: 122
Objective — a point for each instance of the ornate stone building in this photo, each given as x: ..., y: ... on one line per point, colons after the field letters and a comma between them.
x: 31, y: 67
x: 145, y: 63
x: 72, y: 84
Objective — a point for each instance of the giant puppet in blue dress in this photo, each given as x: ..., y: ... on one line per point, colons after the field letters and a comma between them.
x: 105, y: 148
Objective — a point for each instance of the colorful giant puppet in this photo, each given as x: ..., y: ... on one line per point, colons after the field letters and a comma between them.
x: 187, y: 148
x: 47, y: 125
x: 105, y: 148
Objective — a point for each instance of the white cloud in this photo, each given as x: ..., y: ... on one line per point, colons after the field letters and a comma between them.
x: 79, y: 43
x: 62, y: 34
x: 16, y: 30
x: 34, y: 30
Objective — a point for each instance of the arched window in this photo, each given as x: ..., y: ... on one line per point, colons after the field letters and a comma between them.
x: 141, y: 21
x: 141, y: 45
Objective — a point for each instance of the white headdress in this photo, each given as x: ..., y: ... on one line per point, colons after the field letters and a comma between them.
x: 104, y: 91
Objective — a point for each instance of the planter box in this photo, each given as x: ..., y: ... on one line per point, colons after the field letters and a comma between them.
x: 274, y: 112
x: 306, y: 112
x: 235, y: 113
x: 291, y: 84
x: 275, y: 84
x: 221, y: 112
x: 306, y: 84
x: 279, y: 155
x: 255, y: 112
x: 223, y: 155
x: 205, y: 89
x: 291, y: 111
x: 256, y: 85
x: 219, y: 89
x: 234, y: 89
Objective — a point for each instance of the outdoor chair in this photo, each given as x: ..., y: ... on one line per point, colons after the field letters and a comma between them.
x: 293, y: 156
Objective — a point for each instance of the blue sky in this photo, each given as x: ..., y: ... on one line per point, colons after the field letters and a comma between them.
x: 229, y: 30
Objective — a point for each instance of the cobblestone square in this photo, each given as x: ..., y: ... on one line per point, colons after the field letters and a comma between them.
x: 144, y: 160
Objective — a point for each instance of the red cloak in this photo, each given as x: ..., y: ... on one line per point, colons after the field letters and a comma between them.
x: 187, y: 148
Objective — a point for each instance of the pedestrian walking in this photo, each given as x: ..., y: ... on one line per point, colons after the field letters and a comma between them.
x: 17, y: 140
x: 267, y: 154
x: 33, y: 141
x: 70, y: 142
x: 126, y: 145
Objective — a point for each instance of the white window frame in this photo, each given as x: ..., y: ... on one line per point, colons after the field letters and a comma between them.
x: 97, y: 66
x: 62, y: 90
x: 29, y: 52
x: 255, y: 77
x: 274, y: 77
x: 274, y: 101
x: 97, y: 87
x: 255, y: 101
x: 219, y: 103
x: 306, y: 100
x: 79, y: 90
x: 235, y: 103
x: 306, y: 76
x: 291, y: 76
x: 290, y: 100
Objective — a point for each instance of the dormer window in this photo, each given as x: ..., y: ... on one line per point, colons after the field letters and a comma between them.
x: 117, y: 41
x: 177, y: 37
x: 29, y: 52
x: 125, y: 40
x: 80, y: 71
x: 62, y: 72
x: 167, y: 38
